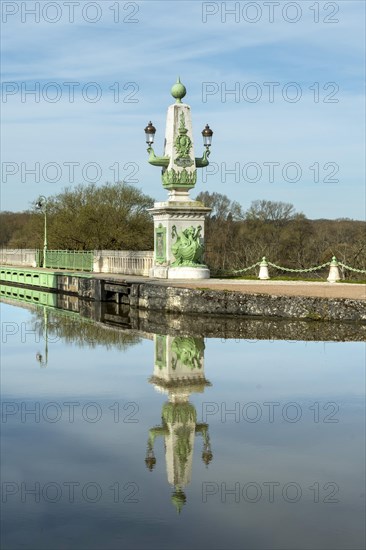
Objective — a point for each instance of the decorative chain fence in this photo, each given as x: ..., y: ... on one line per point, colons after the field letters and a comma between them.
x: 352, y: 268
x: 263, y: 271
x: 290, y: 270
x: 245, y: 268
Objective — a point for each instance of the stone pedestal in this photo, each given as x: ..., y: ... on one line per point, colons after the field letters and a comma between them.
x: 188, y: 273
x: 173, y: 220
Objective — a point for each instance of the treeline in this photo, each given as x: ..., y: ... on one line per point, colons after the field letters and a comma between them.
x: 116, y: 217
x: 108, y: 217
x: 236, y: 239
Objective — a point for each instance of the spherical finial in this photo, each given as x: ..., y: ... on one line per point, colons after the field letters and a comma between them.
x: 178, y: 91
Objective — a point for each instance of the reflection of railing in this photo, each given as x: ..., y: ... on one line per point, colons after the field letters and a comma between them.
x: 28, y: 295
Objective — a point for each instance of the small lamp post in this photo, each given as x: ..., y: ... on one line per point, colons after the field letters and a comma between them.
x: 41, y: 204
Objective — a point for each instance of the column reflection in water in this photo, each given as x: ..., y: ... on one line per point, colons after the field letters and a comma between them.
x: 43, y: 359
x: 179, y: 372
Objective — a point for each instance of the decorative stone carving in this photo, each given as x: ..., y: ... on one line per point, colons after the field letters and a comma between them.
x: 183, y: 178
x: 183, y: 145
x: 187, y: 250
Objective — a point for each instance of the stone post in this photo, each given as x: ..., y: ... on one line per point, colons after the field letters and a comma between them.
x: 333, y: 276
x: 263, y: 270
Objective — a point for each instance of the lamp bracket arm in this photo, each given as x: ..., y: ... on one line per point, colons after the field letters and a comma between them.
x: 203, y: 161
x: 157, y: 161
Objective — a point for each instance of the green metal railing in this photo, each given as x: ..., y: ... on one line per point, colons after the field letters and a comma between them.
x: 66, y: 259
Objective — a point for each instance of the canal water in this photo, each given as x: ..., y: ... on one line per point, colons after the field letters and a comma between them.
x: 116, y: 438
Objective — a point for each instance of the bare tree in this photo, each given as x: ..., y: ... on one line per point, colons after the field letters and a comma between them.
x: 271, y: 211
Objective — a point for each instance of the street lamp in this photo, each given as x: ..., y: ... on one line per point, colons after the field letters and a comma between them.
x: 207, y: 136
x: 202, y: 162
x: 41, y: 204
x: 150, y: 133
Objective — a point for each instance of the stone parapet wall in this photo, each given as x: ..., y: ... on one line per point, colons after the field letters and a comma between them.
x: 221, y: 302
x: 18, y: 257
x: 123, y: 261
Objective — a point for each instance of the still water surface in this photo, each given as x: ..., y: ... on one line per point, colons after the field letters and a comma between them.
x: 113, y: 439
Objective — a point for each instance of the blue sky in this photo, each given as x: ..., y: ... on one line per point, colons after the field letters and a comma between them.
x: 133, y: 52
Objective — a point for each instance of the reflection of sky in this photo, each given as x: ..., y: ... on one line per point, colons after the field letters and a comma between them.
x: 107, y: 452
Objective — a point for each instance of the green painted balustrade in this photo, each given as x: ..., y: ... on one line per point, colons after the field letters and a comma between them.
x: 67, y: 259
x: 28, y: 277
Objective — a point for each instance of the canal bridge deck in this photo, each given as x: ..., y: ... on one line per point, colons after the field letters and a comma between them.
x: 121, y: 284
x: 314, y: 289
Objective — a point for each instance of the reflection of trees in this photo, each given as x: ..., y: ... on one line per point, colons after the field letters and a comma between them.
x: 82, y: 331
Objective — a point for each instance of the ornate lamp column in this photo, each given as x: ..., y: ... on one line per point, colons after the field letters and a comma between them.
x: 179, y: 222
